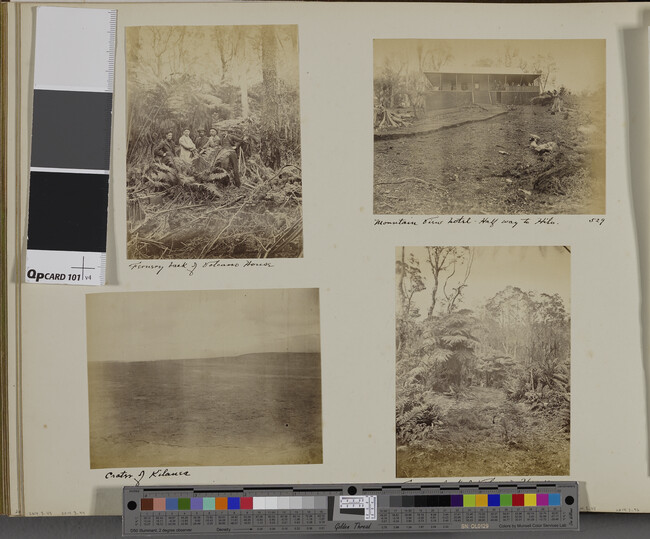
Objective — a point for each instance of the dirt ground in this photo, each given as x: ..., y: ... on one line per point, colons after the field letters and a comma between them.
x: 488, y: 167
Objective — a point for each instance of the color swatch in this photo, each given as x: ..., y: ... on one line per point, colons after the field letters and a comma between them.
x: 233, y: 503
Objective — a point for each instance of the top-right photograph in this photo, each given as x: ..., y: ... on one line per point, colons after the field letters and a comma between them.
x: 497, y: 127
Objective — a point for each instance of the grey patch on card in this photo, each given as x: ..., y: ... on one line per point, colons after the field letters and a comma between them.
x: 72, y: 130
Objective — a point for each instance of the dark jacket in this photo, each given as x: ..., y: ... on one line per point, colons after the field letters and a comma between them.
x: 200, y: 142
x: 164, y: 147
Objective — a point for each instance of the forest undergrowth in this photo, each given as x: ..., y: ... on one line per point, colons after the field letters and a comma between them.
x: 238, y: 192
x: 483, y: 434
x: 482, y: 391
x: 174, y: 214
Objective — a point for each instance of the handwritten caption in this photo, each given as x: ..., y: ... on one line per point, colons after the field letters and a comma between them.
x: 481, y: 480
x: 142, y: 474
x: 192, y: 267
x: 490, y: 222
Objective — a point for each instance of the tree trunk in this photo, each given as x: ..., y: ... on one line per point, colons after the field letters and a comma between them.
x: 436, y: 265
x: 270, y: 143
x: 243, y: 86
x: 402, y: 295
x: 402, y: 304
x: 240, y: 56
x: 434, y: 293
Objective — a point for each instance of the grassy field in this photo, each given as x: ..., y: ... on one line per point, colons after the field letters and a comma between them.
x: 253, y: 409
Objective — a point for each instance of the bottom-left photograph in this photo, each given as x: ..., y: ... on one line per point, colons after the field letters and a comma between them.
x: 204, y: 378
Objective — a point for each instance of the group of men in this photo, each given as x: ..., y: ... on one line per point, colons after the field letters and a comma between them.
x: 210, y: 148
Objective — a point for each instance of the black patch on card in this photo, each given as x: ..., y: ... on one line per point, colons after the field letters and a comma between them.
x: 67, y: 212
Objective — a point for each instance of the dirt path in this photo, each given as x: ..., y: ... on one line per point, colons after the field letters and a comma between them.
x: 475, y: 398
x: 488, y: 168
x: 442, y: 120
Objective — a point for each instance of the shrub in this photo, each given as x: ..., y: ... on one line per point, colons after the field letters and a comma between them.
x: 415, y: 420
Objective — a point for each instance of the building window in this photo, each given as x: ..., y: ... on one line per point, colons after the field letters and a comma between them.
x: 477, y: 86
x: 464, y: 86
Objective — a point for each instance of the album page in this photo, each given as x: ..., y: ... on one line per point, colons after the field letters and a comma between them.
x: 347, y: 243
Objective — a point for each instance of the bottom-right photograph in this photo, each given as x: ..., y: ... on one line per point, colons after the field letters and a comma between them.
x: 483, y: 354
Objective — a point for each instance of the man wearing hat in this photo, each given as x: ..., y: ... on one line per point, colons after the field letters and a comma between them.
x: 213, y: 141
x: 201, y: 140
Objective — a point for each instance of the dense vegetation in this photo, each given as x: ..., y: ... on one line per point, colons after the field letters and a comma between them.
x: 243, y: 83
x: 483, y: 391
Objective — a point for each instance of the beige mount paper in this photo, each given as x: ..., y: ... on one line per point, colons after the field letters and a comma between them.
x: 350, y: 260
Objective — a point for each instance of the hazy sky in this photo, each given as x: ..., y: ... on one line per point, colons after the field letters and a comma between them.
x: 142, y: 326
x: 539, y: 269
x: 580, y: 62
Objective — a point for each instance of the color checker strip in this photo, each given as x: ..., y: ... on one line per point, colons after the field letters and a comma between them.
x: 70, y: 152
x: 256, y: 503
x: 266, y: 503
x: 334, y: 508
x: 478, y: 500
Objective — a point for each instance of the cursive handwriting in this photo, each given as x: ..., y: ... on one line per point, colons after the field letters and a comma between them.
x: 192, y: 267
x: 487, y: 480
x: 157, y: 268
x: 139, y: 476
x: 400, y: 221
x: 189, y: 267
x: 465, y: 220
x: 167, y: 473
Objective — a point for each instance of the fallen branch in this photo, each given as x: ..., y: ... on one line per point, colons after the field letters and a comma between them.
x: 287, y: 236
x: 230, y: 205
x: 153, y: 242
x: 404, y: 180
x: 178, y: 230
x: 189, y: 206
x: 208, y: 247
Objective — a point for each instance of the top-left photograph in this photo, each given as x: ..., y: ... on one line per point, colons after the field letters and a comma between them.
x: 214, y: 158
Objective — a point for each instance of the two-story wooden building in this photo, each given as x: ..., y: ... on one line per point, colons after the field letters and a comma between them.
x: 481, y: 85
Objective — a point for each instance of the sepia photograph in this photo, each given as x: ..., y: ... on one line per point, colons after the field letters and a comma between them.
x: 213, y: 159
x: 489, y: 126
x: 204, y: 378
x: 483, y: 353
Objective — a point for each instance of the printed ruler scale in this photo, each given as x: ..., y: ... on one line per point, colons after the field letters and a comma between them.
x: 424, y: 507
x: 72, y: 115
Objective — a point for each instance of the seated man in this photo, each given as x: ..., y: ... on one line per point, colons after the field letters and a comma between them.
x: 222, y: 155
x: 188, y: 149
x: 164, y: 150
x: 201, y: 140
x: 213, y: 141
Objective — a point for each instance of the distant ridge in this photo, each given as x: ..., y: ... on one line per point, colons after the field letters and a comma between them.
x: 255, y: 356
